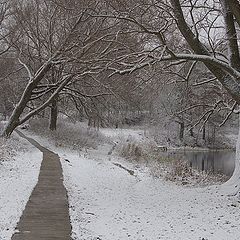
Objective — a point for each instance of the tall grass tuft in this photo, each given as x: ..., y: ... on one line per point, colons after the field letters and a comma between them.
x: 177, y: 170
x: 71, y: 135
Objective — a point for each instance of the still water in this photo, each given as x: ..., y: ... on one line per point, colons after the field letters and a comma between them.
x: 220, y: 161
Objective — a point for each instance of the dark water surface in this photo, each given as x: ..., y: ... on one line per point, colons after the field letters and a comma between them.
x: 219, y: 161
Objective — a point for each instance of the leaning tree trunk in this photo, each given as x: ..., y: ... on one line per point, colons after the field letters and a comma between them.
x: 53, y: 115
x: 12, y: 124
x: 232, y: 186
x: 14, y: 120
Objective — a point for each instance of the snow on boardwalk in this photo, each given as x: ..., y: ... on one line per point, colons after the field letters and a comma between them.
x: 46, y: 214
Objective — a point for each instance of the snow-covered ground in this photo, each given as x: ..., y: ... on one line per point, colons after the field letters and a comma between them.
x: 121, y: 133
x: 18, y: 177
x: 108, y: 203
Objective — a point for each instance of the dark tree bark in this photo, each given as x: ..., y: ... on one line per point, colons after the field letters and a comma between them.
x: 53, y: 114
x: 14, y: 120
x: 204, y: 132
x: 181, y: 133
x: 231, y: 34
x: 229, y: 82
x: 235, y: 8
x: 191, y: 132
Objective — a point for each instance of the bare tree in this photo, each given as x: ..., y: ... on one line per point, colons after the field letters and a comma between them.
x: 209, y: 35
x: 81, y: 49
x: 121, y: 37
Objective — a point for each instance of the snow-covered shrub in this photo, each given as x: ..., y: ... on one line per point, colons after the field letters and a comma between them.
x: 162, y: 165
x: 68, y: 134
x: 146, y: 153
x: 181, y: 168
x: 132, y: 151
x: 182, y: 173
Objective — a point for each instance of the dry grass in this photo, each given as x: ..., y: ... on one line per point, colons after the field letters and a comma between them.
x: 170, y: 169
x: 144, y: 154
x: 132, y: 151
x: 180, y: 172
x: 71, y: 135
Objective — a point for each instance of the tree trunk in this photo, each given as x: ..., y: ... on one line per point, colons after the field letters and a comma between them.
x: 228, y: 82
x: 12, y: 124
x: 181, y: 134
x: 232, y: 186
x: 53, y: 115
x: 231, y: 34
x: 14, y: 120
x: 191, y: 132
x: 235, y: 7
x: 204, y: 133
x: 202, y: 168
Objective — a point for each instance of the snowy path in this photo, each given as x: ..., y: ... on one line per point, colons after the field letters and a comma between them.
x: 46, y: 215
x: 108, y: 203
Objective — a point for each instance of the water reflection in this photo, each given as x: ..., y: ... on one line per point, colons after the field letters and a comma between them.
x: 214, y: 161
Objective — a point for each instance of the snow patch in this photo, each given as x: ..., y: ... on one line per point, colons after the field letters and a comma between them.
x: 18, y: 177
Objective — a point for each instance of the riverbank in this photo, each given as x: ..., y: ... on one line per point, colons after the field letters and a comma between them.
x: 106, y: 202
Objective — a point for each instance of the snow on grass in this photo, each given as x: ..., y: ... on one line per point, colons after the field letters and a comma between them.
x: 123, y: 134
x: 19, y: 169
x: 144, y: 152
x: 70, y: 135
x: 108, y: 203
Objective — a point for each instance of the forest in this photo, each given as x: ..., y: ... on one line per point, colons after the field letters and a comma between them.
x: 135, y: 82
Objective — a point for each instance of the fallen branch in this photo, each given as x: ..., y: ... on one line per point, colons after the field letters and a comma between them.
x: 131, y: 172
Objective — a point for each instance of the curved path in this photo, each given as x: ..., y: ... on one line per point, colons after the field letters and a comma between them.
x: 46, y: 215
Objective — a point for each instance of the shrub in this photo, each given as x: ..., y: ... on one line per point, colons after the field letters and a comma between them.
x: 144, y: 153
x: 181, y: 168
x: 182, y: 173
x: 132, y: 151
x: 173, y: 169
x: 73, y: 135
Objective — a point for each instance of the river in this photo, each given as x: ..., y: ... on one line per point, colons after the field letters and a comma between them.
x: 218, y: 161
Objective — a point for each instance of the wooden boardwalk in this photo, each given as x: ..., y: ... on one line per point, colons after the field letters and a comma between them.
x: 46, y: 215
